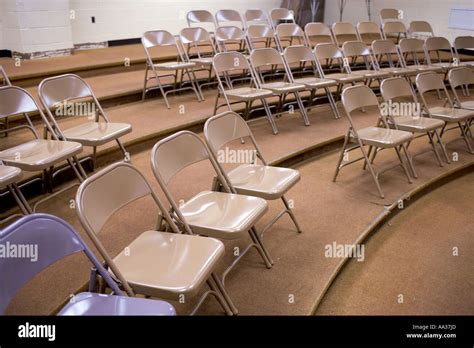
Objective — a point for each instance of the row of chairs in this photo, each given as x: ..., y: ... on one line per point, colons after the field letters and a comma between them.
x: 178, y: 258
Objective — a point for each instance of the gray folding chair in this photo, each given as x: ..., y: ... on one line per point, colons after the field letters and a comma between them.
x: 310, y: 76
x: 344, y: 31
x: 164, y: 262
x: 462, y: 43
x: 259, y: 180
x: 60, y: 93
x: 270, y: 58
x: 407, y: 115
x: 54, y: 239
x: 219, y: 214
x: 368, y: 32
x: 462, y: 77
x: 317, y: 33
x: 37, y: 155
x: 162, y: 38
x: 360, y: 97
x: 430, y: 81
x: 227, y: 63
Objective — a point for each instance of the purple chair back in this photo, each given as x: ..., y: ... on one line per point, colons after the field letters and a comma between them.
x: 33, y: 243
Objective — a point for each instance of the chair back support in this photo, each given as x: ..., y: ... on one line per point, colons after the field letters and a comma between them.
x: 260, y: 31
x: 200, y: 16
x: 256, y: 16
x: 15, y: 100
x: 265, y: 56
x: 420, y: 27
x: 462, y: 76
x: 429, y: 81
x: 223, y: 16
x: 343, y: 31
x: 289, y: 30
x: 228, y: 61
x: 194, y: 35
x: 224, y: 128
x: 328, y: 51
x: 368, y: 32
x: 40, y: 240
x: 297, y: 54
x: 318, y: 33
x: 394, y: 27
x: 63, y: 88
x: 281, y: 14
x: 158, y: 38
x: 355, y: 49
x: 384, y: 47
x: 388, y: 13
x: 462, y: 42
x: 357, y: 97
x: 395, y: 87
x: 411, y: 45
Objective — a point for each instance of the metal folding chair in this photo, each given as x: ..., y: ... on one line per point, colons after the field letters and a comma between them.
x: 261, y: 34
x: 462, y: 77
x: 219, y: 214
x: 414, y: 49
x: 62, y: 93
x: 256, y: 17
x: 201, y: 18
x: 259, y: 180
x: 462, y: 43
x: 420, y: 29
x: 360, y: 97
x: 228, y: 63
x: 229, y: 18
x: 164, y: 262
x: 161, y: 38
x: 37, y: 155
x: 389, y: 14
x: 393, y: 62
x: 290, y: 32
x: 317, y: 33
x: 394, y: 30
x: 440, y: 46
x: 281, y: 15
x: 344, y: 31
x: 53, y: 240
x: 228, y: 37
x: 368, y: 32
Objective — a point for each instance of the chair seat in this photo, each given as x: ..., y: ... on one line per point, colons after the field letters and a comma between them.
x: 9, y: 175
x: 424, y: 67
x: 383, y: 137
x: 315, y: 82
x: 283, y: 87
x: 96, y: 133
x: 372, y: 73
x: 341, y: 77
x: 263, y: 181
x: 174, y: 65
x: 163, y: 265
x: 39, y: 154
x: 468, y: 63
x: 449, y: 114
x: 401, y: 71
x: 446, y: 65
x: 88, y: 303
x: 248, y: 93
x: 222, y: 215
x: 202, y: 61
x: 467, y: 105
x: 418, y: 124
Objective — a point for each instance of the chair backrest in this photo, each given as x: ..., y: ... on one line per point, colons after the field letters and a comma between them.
x: 344, y: 31
x: 61, y: 88
x: 256, y: 16
x: 260, y: 31
x: 368, y: 32
x: 411, y: 45
x: 461, y: 76
x: 328, y: 51
x: 281, y: 14
x: 394, y: 27
x: 429, y: 81
x: 199, y: 17
x: 355, y: 49
x: 388, y: 14
x: 318, y: 32
x: 463, y: 42
x: 155, y: 38
x: 223, y: 128
x: 5, y: 81
x: 420, y: 27
x: 437, y: 43
x: 194, y: 35
x: 289, y: 30
x: 228, y: 34
x: 15, y: 100
x: 384, y: 47
x: 357, y: 97
x: 229, y: 17
x: 39, y: 241
x: 265, y: 57
x: 298, y: 54
x: 228, y: 61
x: 395, y: 87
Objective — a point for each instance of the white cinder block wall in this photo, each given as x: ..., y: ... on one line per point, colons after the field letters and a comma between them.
x: 436, y: 12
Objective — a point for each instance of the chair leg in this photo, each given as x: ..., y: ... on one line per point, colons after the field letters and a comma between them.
x: 371, y: 169
x: 124, y: 151
x: 224, y: 293
x: 466, y: 138
x: 260, y: 247
x: 405, y: 169
x: 291, y: 213
x: 270, y: 118
x: 219, y: 297
x: 369, y: 153
x: 443, y: 146
x: 18, y: 201
x: 333, y: 104
x: 302, y: 109
x: 145, y: 83
x: 410, y: 161
x: 430, y: 136
x: 216, y: 103
x: 22, y: 198
x: 341, y: 156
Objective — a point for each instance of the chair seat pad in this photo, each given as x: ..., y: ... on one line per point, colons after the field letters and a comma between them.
x: 9, y: 175
x: 449, y: 114
x: 222, y: 215
x: 162, y: 264
x: 39, y: 154
x: 383, y: 137
x: 263, y: 181
x: 283, y: 87
x: 88, y: 303
x: 96, y: 133
x: 248, y: 93
x: 418, y: 124
x: 316, y: 82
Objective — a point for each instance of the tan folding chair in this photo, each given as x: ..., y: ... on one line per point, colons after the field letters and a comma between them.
x: 394, y: 30
x: 389, y: 14
x: 270, y: 58
x: 37, y: 155
x: 161, y: 38
x: 358, y: 50
x: 227, y: 63
x: 420, y: 29
x: 462, y: 43
x: 311, y: 75
x: 290, y: 32
x: 440, y: 46
x: 281, y: 15
x: 342, y: 32
x: 229, y: 18
x: 261, y: 34
x: 360, y: 97
x: 317, y: 33
x: 406, y: 114
x: 259, y: 180
x: 430, y: 81
x: 231, y: 38
x: 201, y: 18
x: 200, y: 50
x: 9, y: 177
x: 160, y: 263
x: 411, y: 50
x: 368, y: 32
x: 61, y: 93
x: 393, y: 62
x: 224, y: 215
x: 256, y: 17
x: 462, y: 77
